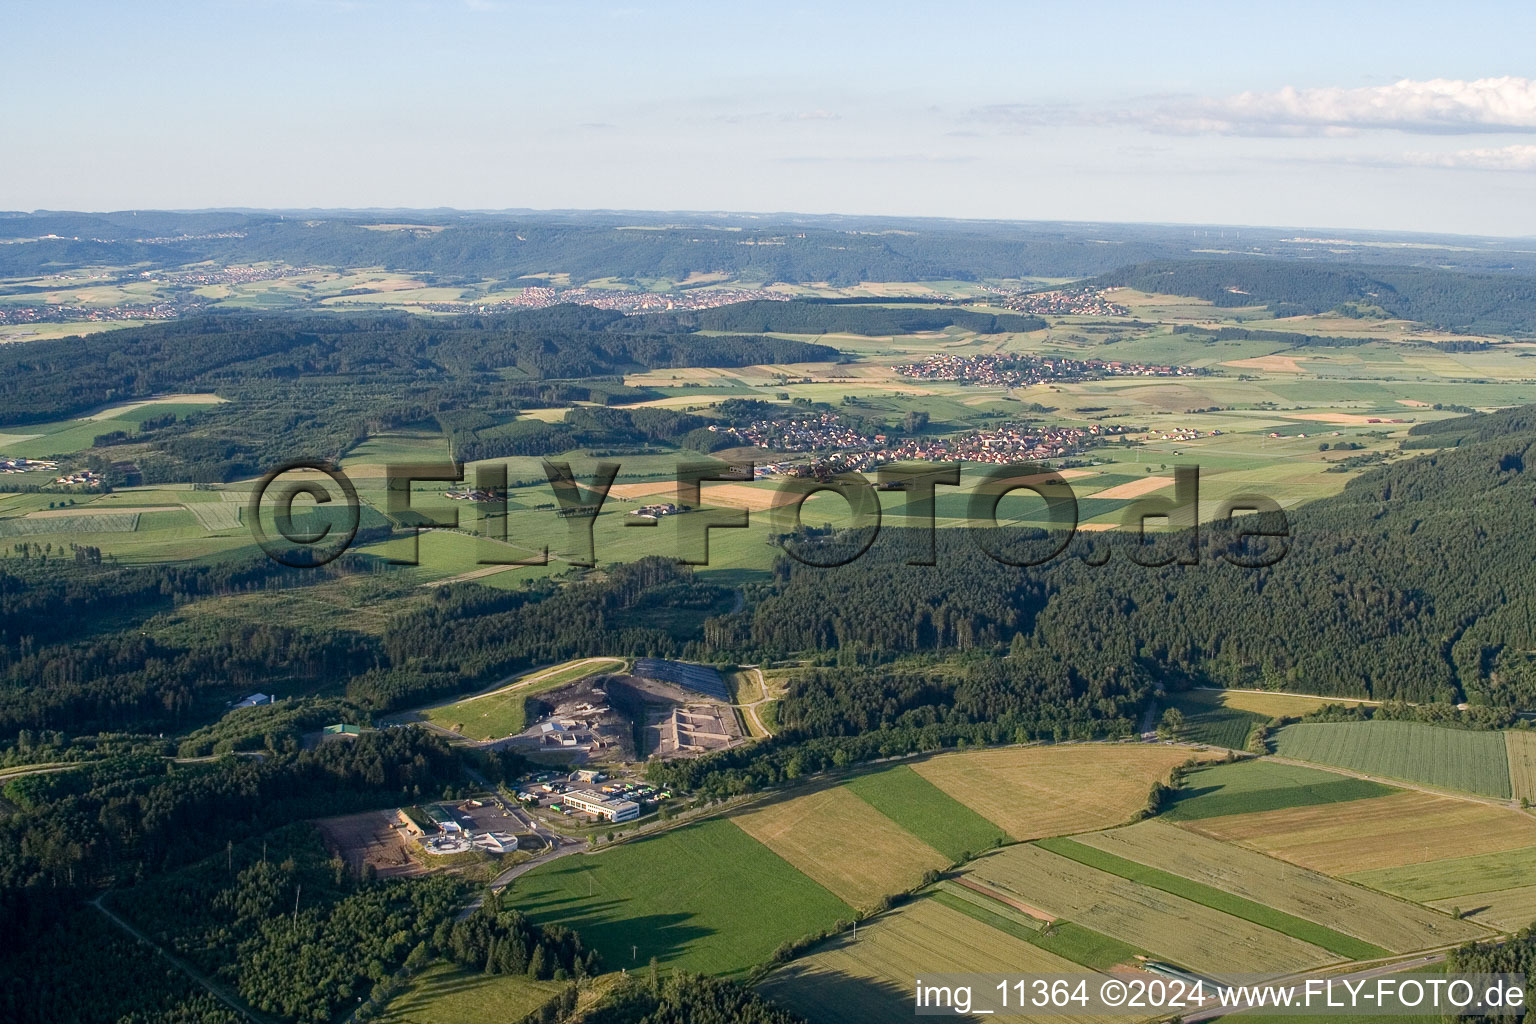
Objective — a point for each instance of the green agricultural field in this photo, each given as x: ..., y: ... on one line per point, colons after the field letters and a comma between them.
x: 1070, y: 941
x: 449, y: 994
x: 1208, y: 720
x: 76, y: 524
x: 1455, y: 876
x: 1217, y: 899
x: 1520, y: 746
x: 1462, y: 759
x: 1243, y: 787
x: 927, y: 812
x: 1379, y: 920
x: 950, y: 892
x: 1168, y: 925
x: 215, y: 516
x: 65, y: 437
x: 706, y: 898
x: 504, y: 712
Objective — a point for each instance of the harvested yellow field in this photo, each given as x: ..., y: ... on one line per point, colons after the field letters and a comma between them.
x: 845, y: 844
x: 1135, y: 488
x: 1034, y: 792
x: 1381, y: 832
x: 869, y: 980
x: 643, y: 490
x: 1352, y: 419
x: 1520, y: 745
x: 1377, y: 918
x: 1507, y: 909
x: 1206, y: 941
x: 552, y: 415
x: 1274, y: 364
x: 748, y: 496
x: 1274, y: 705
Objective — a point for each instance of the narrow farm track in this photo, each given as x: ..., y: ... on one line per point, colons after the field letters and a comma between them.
x: 750, y: 710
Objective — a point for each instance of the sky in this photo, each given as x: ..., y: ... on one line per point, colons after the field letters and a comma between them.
x: 1394, y: 116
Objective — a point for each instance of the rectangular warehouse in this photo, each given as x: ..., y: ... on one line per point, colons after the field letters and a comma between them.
x: 596, y: 803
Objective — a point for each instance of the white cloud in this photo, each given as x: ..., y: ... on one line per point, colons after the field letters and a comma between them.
x: 1437, y: 106
x: 1495, y: 158
x: 1440, y: 105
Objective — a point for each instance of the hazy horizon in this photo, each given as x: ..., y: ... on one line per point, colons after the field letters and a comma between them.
x: 1383, y: 117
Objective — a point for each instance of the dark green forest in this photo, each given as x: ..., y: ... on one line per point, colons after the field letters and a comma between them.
x: 47, y: 380
x: 1469, y: 302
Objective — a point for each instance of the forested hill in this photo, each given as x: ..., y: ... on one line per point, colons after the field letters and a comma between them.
x: 840, y: 318
x: 1414, y: 583
x: 468, y: 248
x: 45, y: 380
x: 1446, y: 299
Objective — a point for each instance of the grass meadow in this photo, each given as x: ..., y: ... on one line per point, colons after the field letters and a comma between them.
x: 926, y: 811
x: 1461, y: 759
x: 504, y: 712
x: 449, y: 994
x: 1249, y: 786
x: 705, y: 897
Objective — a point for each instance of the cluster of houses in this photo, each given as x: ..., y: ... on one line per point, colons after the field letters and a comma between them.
x: 471, y: 494
x: 93, y: 314
x: 1183, y: 434
x: 659, y: 511
x: 228, y: 275
x: 79, y: 478
x: 1010, y: 371
x: 844, y: 449
x: 826, y: 432
x: 639, y: 302
x: 9, y: 464
x: 1064, y: 302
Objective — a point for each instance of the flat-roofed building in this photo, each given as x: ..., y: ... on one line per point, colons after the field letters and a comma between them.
x: 600, y: 805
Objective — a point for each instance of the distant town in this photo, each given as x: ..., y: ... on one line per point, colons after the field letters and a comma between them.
x: 1009, y: 371
x: 1064, y: 302
x: 844, y: 448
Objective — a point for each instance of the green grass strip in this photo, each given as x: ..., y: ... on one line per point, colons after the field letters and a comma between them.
x: 1217, y: 899
x: 1191, y: 804
x: 927, y: 812
x: 1065, y: 939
